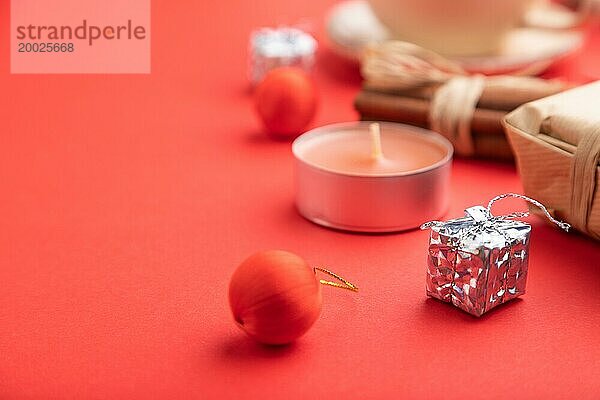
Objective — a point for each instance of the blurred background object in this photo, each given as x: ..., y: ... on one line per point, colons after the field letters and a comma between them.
x: 537, y: 38
x: 456, y: 28
x: 280, y: 47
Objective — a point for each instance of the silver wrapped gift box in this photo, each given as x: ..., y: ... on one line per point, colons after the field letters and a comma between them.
x: 477, y: 263
x: 480, y: 261
x: 280, y: 47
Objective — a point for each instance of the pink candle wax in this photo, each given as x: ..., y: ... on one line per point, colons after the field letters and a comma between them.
x: 349, y: 152
x: 355, y: 176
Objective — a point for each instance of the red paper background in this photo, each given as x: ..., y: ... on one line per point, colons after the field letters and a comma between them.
x: 126, y: 202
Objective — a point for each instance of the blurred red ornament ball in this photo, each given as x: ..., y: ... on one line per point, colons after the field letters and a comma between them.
x: 286, y: 102
x: 275, y: 296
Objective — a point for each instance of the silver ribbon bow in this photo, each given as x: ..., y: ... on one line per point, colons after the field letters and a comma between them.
x: 484, y: 218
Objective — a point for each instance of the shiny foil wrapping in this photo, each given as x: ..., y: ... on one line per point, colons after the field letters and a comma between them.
x: 271, y: 48
x: 479, y: 261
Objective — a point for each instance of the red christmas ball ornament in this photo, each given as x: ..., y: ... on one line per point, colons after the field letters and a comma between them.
x: 275, y: 296
x: 286, y: 102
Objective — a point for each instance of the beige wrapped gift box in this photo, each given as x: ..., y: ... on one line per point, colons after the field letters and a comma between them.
x: 556, y: 141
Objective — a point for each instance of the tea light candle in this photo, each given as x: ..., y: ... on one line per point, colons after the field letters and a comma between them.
x: 371, y: 177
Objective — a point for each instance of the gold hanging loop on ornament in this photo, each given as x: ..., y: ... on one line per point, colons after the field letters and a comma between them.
x: 343, y: 285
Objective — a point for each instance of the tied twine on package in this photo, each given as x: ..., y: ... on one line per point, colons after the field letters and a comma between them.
x: 407, y: 83
x: 556, y: 141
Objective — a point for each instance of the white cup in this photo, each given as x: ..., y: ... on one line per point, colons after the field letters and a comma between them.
x: 452, y: 27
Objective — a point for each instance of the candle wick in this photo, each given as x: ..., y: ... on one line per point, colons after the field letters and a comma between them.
x: 375, y: 133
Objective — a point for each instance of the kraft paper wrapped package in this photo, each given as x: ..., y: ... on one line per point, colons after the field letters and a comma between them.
x: 556, y: 141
